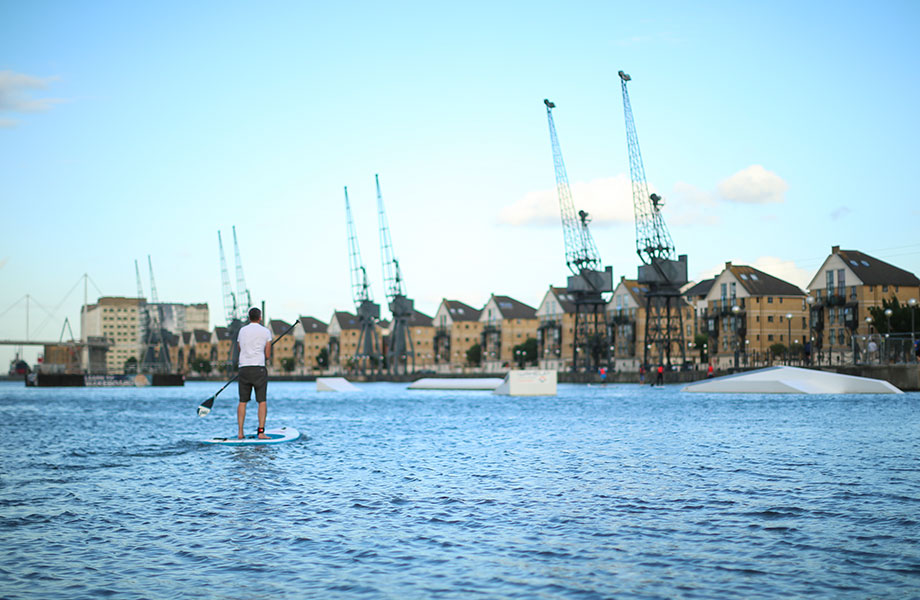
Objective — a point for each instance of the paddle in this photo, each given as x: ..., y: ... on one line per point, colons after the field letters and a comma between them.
x: 205, y: 407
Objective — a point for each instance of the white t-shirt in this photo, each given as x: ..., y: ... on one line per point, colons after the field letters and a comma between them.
x: 252, y: 340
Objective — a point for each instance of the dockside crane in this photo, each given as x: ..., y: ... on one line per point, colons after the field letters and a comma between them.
x: 400, y: 352
x: 662, y: 272
x: 155, y: 353
x: 244, y: 299
x: 367, y: 353
x: 231, y: 309
x: 589, y: 280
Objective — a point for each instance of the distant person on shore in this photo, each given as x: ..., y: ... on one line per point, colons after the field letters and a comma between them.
x: 709, y: 371
x: 255, y: 346
x: 641, y: 373
x: 660, y: 379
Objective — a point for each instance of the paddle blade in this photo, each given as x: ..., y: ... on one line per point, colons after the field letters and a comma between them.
x: 205, y: 407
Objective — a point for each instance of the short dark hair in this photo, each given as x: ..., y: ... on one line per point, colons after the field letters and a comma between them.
x: 254, y: 314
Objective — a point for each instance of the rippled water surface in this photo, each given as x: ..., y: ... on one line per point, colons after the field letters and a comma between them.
x: 618, y: 491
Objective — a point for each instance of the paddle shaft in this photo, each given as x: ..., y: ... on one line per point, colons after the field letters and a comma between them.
x: 210, y: 401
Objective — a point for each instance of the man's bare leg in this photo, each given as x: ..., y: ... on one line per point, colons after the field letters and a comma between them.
x: 263, y: 411
x: 241, y: 417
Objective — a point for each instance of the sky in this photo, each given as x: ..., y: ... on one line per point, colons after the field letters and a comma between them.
x: 772, y: 130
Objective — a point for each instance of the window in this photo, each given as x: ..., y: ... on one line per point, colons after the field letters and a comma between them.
x: 769, y: 299
x: 829, y: 274
x: 884, y: 288
x: 770, y: 319
x: 770, y: 337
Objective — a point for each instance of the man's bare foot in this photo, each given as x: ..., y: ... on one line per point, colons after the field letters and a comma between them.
x: 240, y: 436
x: 262, y: 435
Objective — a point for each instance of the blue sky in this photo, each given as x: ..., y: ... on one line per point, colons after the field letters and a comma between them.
x: 773, y: 131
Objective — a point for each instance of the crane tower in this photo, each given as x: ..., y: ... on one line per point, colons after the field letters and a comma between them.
x: 367, y: 353
x: 662, y: 274
x: 588, y: 283
x: 236, y: 304
x: 155, y: 353
x: 400, y: 351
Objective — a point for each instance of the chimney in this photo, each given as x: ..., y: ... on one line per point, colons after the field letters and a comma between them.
x: 728, y: 265
x: 835, y: 249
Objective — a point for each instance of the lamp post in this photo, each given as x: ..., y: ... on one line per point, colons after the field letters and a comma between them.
x: 810, y: 300
x: 735, y: 310
x: 789, y: 337
x: 888, y: 313
x: 912, y: 303
x: 868, y: 338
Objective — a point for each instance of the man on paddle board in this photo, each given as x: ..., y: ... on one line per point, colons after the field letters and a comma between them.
x: 255, y: 345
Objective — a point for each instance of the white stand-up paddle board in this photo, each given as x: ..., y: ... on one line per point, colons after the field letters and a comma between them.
x: 277, y: 435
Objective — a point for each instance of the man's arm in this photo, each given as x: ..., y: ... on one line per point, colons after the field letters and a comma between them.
x: 268, y: 350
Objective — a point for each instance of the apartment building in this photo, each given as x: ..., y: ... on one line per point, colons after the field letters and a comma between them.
x: 313, y: 335
x: 843, y: 290
x: 747, y: 312
x: 284, y: 346
x: 555, y: 329
x: 422, y: 332
x: 457, y: 329
x: 506, y: 322
x: 344, y: 333
x: 118, y: 320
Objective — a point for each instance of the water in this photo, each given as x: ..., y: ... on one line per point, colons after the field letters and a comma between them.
x: 619, y: 491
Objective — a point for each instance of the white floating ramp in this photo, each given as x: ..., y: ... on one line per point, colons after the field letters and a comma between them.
x: 335, y: 384
x: 528, y: 383
x: 792, y: 380
x: 456, y: 383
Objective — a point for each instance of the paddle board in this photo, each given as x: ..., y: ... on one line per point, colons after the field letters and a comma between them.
x: 277, y: 435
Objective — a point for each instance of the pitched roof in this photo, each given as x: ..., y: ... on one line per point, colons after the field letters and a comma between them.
x: 700, y: 289
x: 223, y: 333
x: 202, y: 336
x: 514, y: 309
x: 346, y: 320
x: 566, y: 300
x: 313, y: 325
x: 277, y: 326
x: 635, y: 290
x: 758, y: 283
x: 420, y: 319
x: 462, y: 312
x: 872, y: 271
x: 186, y: 337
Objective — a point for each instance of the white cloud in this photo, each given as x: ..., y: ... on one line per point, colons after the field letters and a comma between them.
x: 607, y: 201
x: 16, y: 95
x: 781, y: 268
x: 753, y: 185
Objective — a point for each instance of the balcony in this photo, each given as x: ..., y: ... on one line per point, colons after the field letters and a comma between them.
x: 836, y: 300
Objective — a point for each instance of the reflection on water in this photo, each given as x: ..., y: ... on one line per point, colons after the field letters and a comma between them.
x: 616, y: 491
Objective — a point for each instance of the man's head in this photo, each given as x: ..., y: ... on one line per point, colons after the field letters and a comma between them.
x: 255, y: 315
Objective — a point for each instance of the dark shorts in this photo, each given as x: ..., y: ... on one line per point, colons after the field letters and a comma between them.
x: 253, y: 377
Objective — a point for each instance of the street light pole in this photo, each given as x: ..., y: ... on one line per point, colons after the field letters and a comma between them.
x: 912, y: 303
x: 789, y: 337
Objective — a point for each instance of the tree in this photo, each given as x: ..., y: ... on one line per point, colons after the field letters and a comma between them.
x: 322, y: 359
x: 287, y: 364
x: 777, y: 349
x: 201, y: 365
x: 900, y: 316
x: 474, y: 355
x: 526, y: 352
x: 701, y: 343
x: 131, y: 365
